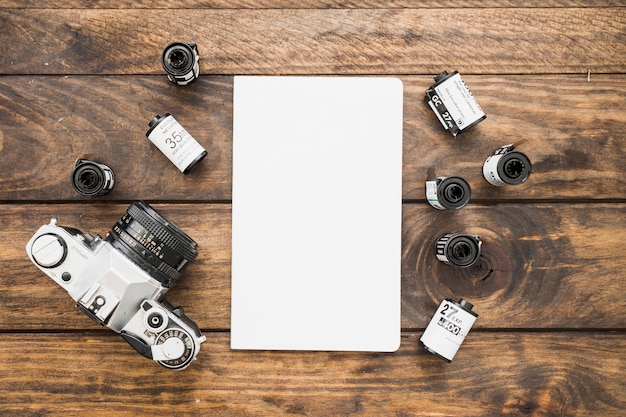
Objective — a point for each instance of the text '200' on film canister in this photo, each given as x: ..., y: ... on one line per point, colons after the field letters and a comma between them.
x: 453, y: 103
x: 448, y: 327
x: 181, y: 62
x: 506, y: 166
x: 448, y: 193
x: 175, y: 142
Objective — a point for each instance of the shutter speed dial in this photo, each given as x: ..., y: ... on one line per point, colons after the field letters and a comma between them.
x: 49, y: 250
x: 173, y: 348
x: 176, y: 349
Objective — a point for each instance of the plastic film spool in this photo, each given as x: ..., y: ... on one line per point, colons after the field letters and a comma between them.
x: 448, y: 193
x: 181, y: 62
x: 92, y: 178
x: 506, y: 166
x: 459, y: 250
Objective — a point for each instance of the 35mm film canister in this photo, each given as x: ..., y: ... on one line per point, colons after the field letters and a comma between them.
x: 181, y: 62
x: 458, y: 250
x: 506, y: 166
x: 448, y: 193
x: 91, y: 178
x: 175, y: 142
x: 448, y: 327
x: 453, y: 103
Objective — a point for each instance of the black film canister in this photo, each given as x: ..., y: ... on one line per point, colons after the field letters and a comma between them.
x: 91, y: 178
x: 458, y: 250
x: 448, y: 193
x: 506, y: 166
x: 181, y: 62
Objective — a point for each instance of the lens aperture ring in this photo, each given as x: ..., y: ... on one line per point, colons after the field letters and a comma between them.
x: 146, y: 259
x: 163, y: 230
x: 153, y: 243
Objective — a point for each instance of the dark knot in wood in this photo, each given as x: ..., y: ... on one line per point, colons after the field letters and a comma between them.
x: 490, y: 273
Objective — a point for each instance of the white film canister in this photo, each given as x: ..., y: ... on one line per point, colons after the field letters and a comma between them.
x: 453, y: 103
x: 506, y: 166
x: 175, y: 142
x: 448, y: 327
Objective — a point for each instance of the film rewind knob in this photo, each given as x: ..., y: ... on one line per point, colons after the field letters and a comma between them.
x: 49, y: 250
x: 173, y: 348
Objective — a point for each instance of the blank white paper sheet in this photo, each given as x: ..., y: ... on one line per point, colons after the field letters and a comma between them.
x: 317, y: 213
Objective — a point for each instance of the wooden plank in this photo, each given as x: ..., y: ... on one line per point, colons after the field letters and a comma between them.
x: 48, y: 122
x: 579, y: 374
x: 571, y: 128
x: 205, y: 285
x: 317, y: 41
x: 301, y: 4
x: 549, y: 339
x: 544, y: 266
x: 576, y: 145
x: 541, y: 264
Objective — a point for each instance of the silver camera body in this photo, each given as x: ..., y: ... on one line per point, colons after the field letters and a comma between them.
x: 108, y: 284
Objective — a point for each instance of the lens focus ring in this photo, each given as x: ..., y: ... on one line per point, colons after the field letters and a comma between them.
x: 163, y: 230
x: 152, y: 242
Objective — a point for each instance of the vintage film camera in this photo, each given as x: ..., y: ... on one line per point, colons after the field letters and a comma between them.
x: 118, y: 281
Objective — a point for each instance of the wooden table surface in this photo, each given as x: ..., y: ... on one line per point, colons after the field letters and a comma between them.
x: 84, y: 77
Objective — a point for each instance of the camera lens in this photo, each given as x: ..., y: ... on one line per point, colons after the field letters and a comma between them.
x: 152, y: 242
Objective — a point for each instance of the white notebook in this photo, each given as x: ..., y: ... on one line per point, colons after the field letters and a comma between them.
x: 317, y: 213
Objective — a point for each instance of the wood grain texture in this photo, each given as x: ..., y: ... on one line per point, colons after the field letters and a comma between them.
x: 300, y: 4
x: 316, y: 41
x: 577, y: 147
x: 48, y: 122
x: 84, y: 77
x: 544, y: 266
x: 566, y: 374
